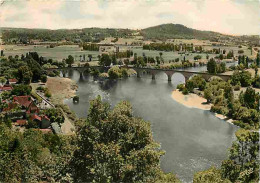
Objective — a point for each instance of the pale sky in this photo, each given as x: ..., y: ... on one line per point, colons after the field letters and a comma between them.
x: 225, y: 16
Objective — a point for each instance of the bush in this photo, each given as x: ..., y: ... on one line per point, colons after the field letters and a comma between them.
x: 185, y: 91
x: 44, y: 78
x: 237, y: 87
x: 51, y: 74
x: 114, y: 73
x: 47, y: 93
x: 40, y: 88
x: 180, y: 87
x: 124, y: 73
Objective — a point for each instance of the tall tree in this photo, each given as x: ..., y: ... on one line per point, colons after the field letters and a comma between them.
x: 115, y: 146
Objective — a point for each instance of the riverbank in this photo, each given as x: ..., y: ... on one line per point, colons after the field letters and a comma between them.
x: 61, y: 88
x: 194, y: 101
x: 191, y: 100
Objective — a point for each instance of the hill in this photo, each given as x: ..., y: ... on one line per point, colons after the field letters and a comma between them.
x: 160, y: 32
x: 178, y: 31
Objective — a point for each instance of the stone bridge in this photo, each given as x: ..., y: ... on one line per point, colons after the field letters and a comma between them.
x: 169, y: 72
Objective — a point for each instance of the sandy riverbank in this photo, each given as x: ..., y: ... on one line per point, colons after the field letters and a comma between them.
x: 61, y: 88
x: 194, y: 101
x: 191, y: 100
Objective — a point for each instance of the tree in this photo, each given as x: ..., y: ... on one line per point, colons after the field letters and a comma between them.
x: 212, y: 66
x: 211, y: 175
x: 115, y: 146
x: 258, y: 59
x: 243, y: 78
x: 44, y: 78
x: 2, y: 80
x: 105, y: 60
x: 69, y: 60
x: 208, y: 95
x: 251, y: 98
x: 89, y: 57
x: 21, y: 89
x: 24, y: 75
x: 242, y: 165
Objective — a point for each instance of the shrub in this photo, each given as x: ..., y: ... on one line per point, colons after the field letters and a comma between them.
x: 51, y: 74
x: 114, y: 73
x: 237, y: 87
x: 124, y: 73
x: 44, y: 78
x: 103, y: 75
x: 40, y: 88
x: 185, y: 91
x: 180, y: 87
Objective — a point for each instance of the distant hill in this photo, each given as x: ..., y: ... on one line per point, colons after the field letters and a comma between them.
x: 178, y: 31
x: 160, y: 32
x: 23, y: 35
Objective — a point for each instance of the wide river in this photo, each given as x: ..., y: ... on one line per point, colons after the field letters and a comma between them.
x: 193, y: 139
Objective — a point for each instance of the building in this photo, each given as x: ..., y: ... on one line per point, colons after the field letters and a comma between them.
x: 42, y: 121
x: 12, y: 81
x: 6, y: 88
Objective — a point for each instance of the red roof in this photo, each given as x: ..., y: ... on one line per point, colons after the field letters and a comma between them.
x: 34, y: 116
x: 40, y: 118
x: 13, y: 80
x: 6, y: 88
x: 21, y: 122
x: 23, y: 100
x: 10, y: 106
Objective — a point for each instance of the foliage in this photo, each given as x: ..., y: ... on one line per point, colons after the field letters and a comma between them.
x: 20, y: 90
x: 115, y: 146
x: 44, y: 78
x: 33, y: 157
x: 195, y: 82
x: 209, y: 176
x: 90, y: 47
x: 212, y: 66
x: 243, y: 162
x: 185, y: 91
x: 69, y: 60
x: 105, y: 60
x: 55, y: 115
x: 241, y: 78
x: 180, y: 87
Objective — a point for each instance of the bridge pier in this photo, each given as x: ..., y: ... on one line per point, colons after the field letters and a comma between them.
x: 153, y: 73
x: 169, y: 74
x: 81, y: 75
x: 138, y: 74
x: 153, y: 76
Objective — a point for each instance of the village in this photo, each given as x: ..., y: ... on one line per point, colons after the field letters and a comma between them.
x: 27, y: 109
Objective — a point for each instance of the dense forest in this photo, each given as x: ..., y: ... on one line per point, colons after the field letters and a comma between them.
x: 15, y: 35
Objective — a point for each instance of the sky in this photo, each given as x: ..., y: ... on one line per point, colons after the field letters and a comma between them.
x: 236, y: 17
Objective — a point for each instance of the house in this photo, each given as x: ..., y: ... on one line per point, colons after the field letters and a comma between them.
x: 27, y: 103
x: 43, y: 121
x: 12, y: 81
x: 6, y: 88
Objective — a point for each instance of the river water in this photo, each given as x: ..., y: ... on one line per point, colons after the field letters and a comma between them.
x: 193, y: 139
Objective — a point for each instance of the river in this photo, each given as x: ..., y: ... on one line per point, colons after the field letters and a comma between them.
x: 193, y: 139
